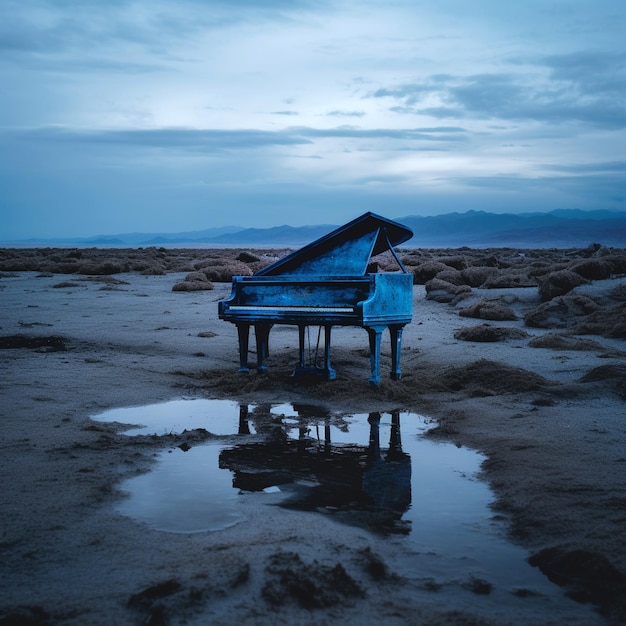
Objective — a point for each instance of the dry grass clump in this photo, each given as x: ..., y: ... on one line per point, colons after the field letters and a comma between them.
x: 477, y: 275
x: 619, y: 293
x: 457, y: 262
x: 511, y: 279
x: 195, y: 281
x: 559, y: 283
x: 107, y: 261
x: 426, y: 271
x: 443, y: 291
x: 600, y: 268
x: 222, y: 271
x: 608, y: 322
x: 558, y: 312
x: 582, y: 315
x: 488, y: 333
x: 564, y: 342
x: 604, y: 372
x: 614, y: 374
x: 485, y: 378
x: 587, y: 577
x: 488, y: 311
x: 52, y: 343
x: 451, y: 276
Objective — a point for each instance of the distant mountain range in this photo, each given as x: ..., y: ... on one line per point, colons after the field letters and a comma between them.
x: 558, y: 229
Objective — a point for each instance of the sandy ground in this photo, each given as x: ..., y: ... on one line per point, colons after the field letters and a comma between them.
x: 555, y: 448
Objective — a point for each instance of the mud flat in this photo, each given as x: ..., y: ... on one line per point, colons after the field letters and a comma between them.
x: 517, y: 354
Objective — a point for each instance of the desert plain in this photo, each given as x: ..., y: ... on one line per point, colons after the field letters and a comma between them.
x: 517, y: 354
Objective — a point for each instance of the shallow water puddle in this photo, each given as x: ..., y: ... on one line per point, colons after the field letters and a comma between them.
x: 375, y: 471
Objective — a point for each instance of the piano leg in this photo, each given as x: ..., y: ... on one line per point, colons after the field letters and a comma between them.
x: 395, y: 331
x: 262, y: 333
x: 301, y: 329
x: 331, y: 374
x: 243, y: 331
x: 375, y: 333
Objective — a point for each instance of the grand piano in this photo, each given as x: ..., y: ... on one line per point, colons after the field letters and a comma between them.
x: 326, y: 283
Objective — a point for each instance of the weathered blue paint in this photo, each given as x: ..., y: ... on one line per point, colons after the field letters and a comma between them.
x: 358, y: 240
x: 325, y: 284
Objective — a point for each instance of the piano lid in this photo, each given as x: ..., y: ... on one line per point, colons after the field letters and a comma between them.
x: 345, y: 251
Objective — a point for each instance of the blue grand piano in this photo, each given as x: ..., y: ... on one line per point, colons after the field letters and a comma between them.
x: 326, y: 283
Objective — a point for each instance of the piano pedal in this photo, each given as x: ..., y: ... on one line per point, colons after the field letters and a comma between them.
x: 319, y: 372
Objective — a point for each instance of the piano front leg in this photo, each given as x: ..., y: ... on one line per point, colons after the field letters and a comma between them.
x: 395, y: 332
x: 301, y: 330
x: 262, y: 333
x: 375, y: 333
x: 330, y: 372
x: 243, y: 331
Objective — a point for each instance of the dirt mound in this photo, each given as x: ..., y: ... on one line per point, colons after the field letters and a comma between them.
x: 486, y: 378
x: 195, y: 281
x: 488, y: 311
x: 586, y: 577
x: 559, y: 312
x: 43, y: 344
x: 486, y: 332
x: 444, y: 291
x: 614, y: 374
x: 581, y: 315
x: 608, y: 322
x: 559, y: 283
x: 311, y: 585
x: 600, y: 268
x: 563, y: 342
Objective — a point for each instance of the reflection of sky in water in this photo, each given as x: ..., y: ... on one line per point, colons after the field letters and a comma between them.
x: 452, y: 529
x: 183, y: 493
x: 219, y: 417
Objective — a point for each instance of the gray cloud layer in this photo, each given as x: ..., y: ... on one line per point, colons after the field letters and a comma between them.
x: 133, y: 114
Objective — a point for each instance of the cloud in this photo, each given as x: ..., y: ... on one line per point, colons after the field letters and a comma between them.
x: 338, y: 113
x: 582, y: 87
x: 128, y: 108
x: 617, y: 167
x: 211, y: 140
x: 215, y: 140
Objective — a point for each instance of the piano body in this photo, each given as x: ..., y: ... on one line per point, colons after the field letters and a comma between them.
x: 326, y: 284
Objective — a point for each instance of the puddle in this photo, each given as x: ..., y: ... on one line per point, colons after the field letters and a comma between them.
x: 375, y: 471
x: 217, y: 416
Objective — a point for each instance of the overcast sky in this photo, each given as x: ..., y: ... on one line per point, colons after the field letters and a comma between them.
x: 172, y: 115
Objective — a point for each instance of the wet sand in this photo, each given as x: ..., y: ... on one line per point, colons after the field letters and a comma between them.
x: 545, y: 404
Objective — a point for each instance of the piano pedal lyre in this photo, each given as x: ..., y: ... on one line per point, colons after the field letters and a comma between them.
x: 326, y: 371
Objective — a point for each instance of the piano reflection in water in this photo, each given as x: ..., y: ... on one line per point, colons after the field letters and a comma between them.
x: 326, y: 284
